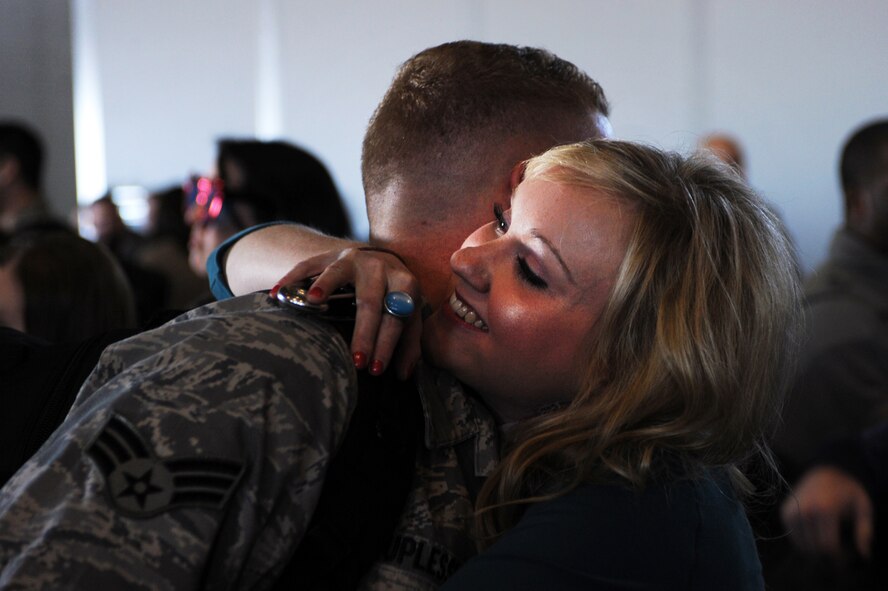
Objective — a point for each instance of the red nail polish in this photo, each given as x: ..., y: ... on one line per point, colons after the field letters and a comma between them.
x: 274, y: 290
x: 316, y: 292
x: 377, y: 367
x: 360, y: 359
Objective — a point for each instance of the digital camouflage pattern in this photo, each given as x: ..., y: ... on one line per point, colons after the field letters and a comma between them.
x: 434, y: 536
x: 264, y: 397
x: 195, y: 453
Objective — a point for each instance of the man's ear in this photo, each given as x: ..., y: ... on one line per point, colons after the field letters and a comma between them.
x: 604, y: 127
x: 516, y: 176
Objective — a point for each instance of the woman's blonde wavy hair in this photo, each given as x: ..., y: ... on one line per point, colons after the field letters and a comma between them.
x: 690, y: 358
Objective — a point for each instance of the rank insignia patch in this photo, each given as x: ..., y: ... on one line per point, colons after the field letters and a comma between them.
x: 141, y: 485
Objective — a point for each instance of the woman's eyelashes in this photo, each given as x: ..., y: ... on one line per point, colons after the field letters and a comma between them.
x: 523, y: 269
x: 527, y: 274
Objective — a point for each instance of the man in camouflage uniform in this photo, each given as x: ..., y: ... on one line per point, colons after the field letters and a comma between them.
x: 195, y: 453
x: 192, y: 452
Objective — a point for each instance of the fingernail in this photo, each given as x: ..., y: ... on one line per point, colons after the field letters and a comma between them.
x: 274, y: 290
x: 377, y: 367
x: 360, y: 359
x: 315, y: 292
x: 404, y: 373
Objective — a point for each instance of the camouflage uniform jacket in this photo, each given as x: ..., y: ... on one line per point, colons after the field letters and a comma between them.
x: 194, y: 457
x: 461, y: 448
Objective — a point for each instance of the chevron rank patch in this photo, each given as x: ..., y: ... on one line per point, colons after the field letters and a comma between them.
x: 142, y: 485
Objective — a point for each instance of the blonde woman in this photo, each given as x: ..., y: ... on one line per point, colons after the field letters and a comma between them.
x: 630, y: 322
x: 671, y: 384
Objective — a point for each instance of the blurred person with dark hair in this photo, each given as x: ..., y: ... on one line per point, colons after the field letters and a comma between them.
x: 112, y: 231
x: 150, y: 287
x: 165, y: 249
x: 260, y: 182
x: 165, y: 220
x: 21, y: 168
x: 63, y: 299
x: 841, y: 388
x: 62, y: 288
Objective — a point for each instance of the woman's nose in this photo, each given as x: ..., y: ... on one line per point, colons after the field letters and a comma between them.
x: 472, y: 265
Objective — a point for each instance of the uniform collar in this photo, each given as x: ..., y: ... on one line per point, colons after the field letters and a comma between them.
x: 453, y: 416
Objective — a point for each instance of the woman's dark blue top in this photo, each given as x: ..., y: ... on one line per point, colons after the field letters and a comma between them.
x: 688, y: 534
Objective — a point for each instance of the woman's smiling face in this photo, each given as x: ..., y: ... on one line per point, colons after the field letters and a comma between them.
x: 528, y: 290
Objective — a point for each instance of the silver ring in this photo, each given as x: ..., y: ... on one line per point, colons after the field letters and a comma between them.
x: 399, y: 304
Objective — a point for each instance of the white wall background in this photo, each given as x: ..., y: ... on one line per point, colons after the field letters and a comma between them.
x: 790, y: 78
x: 35, y: 85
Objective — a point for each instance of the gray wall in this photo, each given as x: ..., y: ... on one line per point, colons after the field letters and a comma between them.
x: 35, y: 86
x: 789, y: 78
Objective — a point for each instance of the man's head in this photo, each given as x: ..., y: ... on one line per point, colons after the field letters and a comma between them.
x: 864, y: 175
x: 442, y: 145
x: 21, y: 157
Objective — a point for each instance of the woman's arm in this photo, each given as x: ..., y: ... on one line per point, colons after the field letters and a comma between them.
x: 257, y: 260
x: 283, y: 253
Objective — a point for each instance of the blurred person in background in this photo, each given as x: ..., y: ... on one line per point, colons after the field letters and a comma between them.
x: 841, y: 387
x: 165, y: 249
x: 150, y: 287
x: 63, y: 299
x: 260, y: 182
x: 112, y: 231
x: 165, y: 220
x: 62, y: 288
x: 727, y: 149
x: 21, y: 166
x: 832, y: 510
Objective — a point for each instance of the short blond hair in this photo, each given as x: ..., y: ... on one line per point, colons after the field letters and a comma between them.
x: 689, y: 360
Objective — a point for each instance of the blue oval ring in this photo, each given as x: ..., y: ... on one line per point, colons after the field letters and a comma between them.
x: 399, y: 304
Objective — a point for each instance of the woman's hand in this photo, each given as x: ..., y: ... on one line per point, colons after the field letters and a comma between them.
x: 373, y: 273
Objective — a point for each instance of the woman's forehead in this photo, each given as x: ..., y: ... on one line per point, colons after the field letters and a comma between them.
x: 591, y: 228
x: 548, y: 195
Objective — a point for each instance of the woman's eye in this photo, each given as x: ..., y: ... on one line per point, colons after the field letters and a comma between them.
x: 527, y: 274
x: 502, y: 225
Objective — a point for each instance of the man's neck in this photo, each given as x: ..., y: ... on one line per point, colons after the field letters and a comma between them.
x: 429, y: 263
